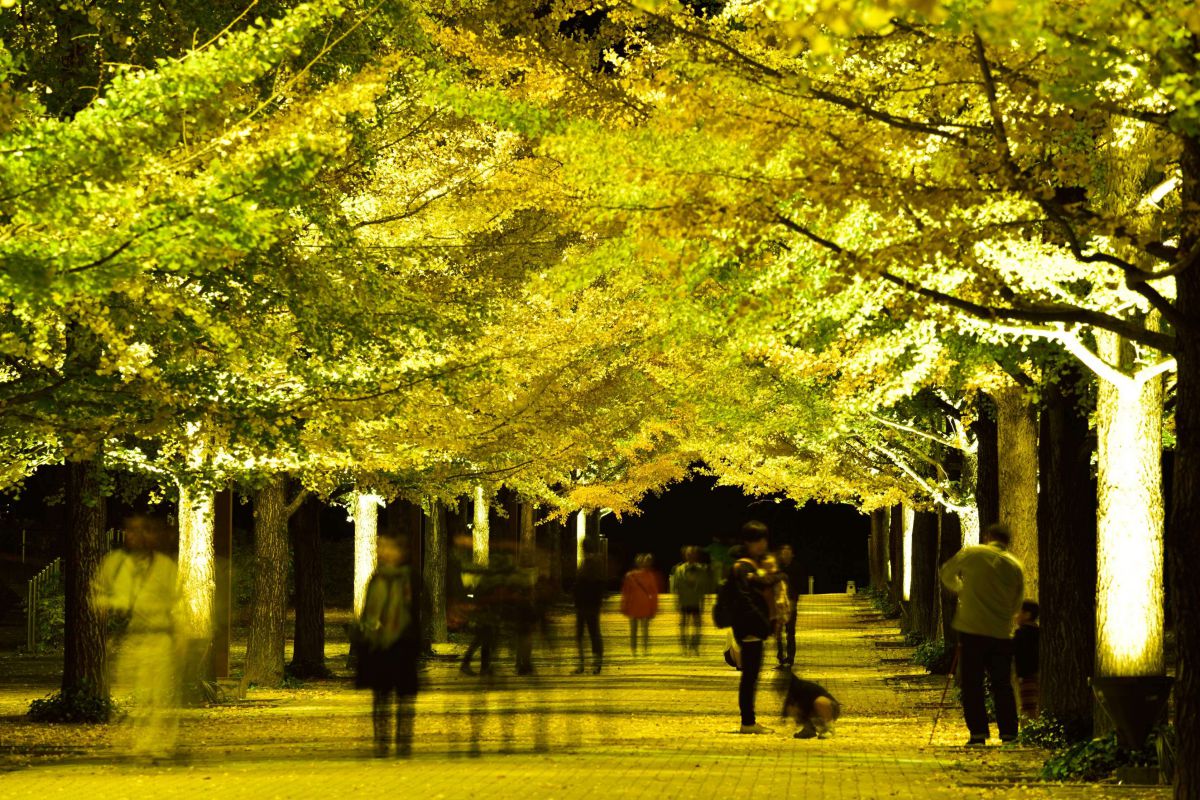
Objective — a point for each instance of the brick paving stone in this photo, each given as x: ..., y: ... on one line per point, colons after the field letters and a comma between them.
x: 656, y: 726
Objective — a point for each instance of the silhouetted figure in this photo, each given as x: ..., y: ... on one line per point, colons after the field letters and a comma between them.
x: 639, y: 600
x: 589, y: 597
x: 391, y: 641
x: 690, y: 582
x: 990, y: 584
x: 751, y: 618
x: 1025, y: 657
x: 794, y: 578
x: 137, y: 584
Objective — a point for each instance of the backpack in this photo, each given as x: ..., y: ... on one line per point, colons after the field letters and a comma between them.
x: 722, y: 611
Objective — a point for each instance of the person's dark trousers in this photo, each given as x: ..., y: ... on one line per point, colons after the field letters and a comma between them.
x: 644, y: 624
x: 752, y: 659
x: 485, y: 638
x: 590, y: 619
x: 987, y: 655
x: 381, y: 708
x: 689, y: 616
x: 789, y: 632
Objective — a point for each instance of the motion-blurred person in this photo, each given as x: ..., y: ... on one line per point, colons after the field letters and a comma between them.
x: 812, y: 706
x: 719, y: 559
x: 589, y: 597
x: 388, y: 665
x: 690, y: 581
x: 751, y: 618
x: 136, y: 585
x: 777, y: 598
x: 794, y: 578
x: 990, y: 584
x: 639, y: 600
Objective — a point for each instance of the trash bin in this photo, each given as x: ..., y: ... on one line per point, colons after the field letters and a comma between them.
x: 851, y: 588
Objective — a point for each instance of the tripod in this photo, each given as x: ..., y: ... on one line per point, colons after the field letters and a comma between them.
x: 945, y: 691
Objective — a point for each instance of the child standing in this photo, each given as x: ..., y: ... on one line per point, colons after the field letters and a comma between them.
x: 1025, y: 656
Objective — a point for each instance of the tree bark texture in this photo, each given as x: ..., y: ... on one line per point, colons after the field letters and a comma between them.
x: 84, y: 658
x: 268, y: 603
x: 308, y: 651
x: 950, y: 541
x: 1016, y: 440
x: 1184, y: 542
x: 877, y: 555
x: 1129, y: 520
x: 528, y: 542
x: 925, y: 591
x: 1067, y: 557
x: 987, y: 470
x: 433, y: 570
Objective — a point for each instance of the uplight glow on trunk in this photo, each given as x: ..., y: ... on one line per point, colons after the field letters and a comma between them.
x: 366, y: 528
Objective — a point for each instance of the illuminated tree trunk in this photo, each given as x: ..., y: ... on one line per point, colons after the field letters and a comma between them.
x: 433, y: 566
x: 896, y: 553
x: 925, y: 591
x: 197, y: 577
x: 1184, y: 543
x: 84, y: 659
x: 987, y: 484
x: 480, y: 530
x: 1129, y: 541
x: 366, y: 529
x: 268, y: 604
x: 308, y: 651
x: 1016, y: 441
x: 1067, y: 557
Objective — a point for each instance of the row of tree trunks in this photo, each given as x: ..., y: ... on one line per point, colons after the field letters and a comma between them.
x: 1067, y: 550
x: 1017, y: 475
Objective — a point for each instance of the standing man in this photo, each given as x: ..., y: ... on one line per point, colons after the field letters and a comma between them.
x: 990, y: 584
x: 690, y: 581
x: 794, y: 576
x: 751, y: 617
x: 589, y: 597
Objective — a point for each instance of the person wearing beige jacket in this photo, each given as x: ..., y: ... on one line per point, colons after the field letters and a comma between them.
x: 990, y: 584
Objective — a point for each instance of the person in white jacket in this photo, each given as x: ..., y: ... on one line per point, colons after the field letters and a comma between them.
x: 990, y: 584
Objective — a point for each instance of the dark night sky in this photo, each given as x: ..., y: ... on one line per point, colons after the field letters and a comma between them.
x: 830, y: 540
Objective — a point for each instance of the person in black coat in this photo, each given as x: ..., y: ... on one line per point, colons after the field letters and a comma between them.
x: 751, y: 618
x: 390, y: 638
x: 590, y: 588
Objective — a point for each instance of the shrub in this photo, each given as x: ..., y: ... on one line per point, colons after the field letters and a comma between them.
x: 935, y: 656
x: 1095, y: 760
x: 81, y: 705
x: 1045, y: 731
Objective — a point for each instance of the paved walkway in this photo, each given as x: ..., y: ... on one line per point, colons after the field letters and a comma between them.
x: 657, y: 726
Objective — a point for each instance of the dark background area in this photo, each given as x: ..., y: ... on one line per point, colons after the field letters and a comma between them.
x: 830, y: 540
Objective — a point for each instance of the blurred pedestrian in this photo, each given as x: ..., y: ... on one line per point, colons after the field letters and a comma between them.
x: 639, y: 600
x: 751, y: 618
x: 388, y: 664
x: 990, y: 584
x: 136, y: 587
x: 589, y: 597
x: 794, y: 577
x: 690, y: 582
